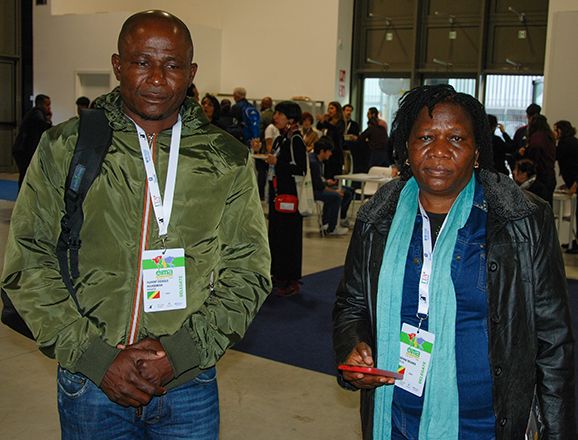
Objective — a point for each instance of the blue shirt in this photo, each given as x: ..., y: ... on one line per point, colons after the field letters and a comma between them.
x: 477, y: 419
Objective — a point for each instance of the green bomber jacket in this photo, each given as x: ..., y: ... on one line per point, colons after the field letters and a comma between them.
x: 216, y: 217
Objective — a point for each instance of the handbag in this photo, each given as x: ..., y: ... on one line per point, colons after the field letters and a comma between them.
x: 304, y: 185
x: 286, y: 203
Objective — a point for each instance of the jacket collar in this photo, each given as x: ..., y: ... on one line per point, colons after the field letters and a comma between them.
x: 504, y: 199
x: 192, y: 114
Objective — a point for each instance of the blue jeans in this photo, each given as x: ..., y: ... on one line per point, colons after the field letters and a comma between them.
x: 190, y: 411
x: 332, y: 202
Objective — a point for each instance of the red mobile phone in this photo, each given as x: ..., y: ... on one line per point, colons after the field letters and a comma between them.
x: 370, y: 370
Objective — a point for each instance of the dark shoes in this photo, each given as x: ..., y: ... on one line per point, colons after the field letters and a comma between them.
x: 573, y: 248
x: 288, y: 288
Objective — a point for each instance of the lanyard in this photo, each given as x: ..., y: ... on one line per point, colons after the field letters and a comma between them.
x: 162, y: 209
x: 426, y: 269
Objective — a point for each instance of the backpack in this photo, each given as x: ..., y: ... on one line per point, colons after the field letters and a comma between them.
x: 94, y: 138
x: 251, y: 123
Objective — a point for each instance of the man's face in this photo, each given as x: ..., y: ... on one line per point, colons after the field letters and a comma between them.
x: 347, y: 112
x: 45, y: 106
x: 155, y: 69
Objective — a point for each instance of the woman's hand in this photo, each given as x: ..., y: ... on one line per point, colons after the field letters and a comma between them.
x: 361, y: 355
x: 271, y: 159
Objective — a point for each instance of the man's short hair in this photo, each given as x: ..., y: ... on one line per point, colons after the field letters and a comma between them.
x: 347, y: 106
x: 240, y: 91
x: 83, y: 101
x: 323, y: 144
x: 533, y: 109
x: 39, y: 100
x: 374, y: 111
x: 526, y: 166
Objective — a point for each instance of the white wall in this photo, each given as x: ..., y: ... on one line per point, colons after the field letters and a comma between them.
x: 269, y: 47
x: 561, y: 62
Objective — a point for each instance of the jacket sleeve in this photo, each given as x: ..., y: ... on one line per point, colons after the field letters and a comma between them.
x: 241, y: 285
x: 351, y: 319
x: 31, y: 275
x: 555, y: 351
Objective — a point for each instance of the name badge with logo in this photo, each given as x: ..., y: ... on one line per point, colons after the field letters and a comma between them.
x: 164, y: 280
x: 414, y: 358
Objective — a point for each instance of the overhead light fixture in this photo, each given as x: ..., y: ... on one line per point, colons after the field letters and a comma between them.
x: 379, y: 63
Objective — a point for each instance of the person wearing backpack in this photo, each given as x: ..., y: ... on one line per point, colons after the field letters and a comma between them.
x: 169, y: 277
x: 247, y: 117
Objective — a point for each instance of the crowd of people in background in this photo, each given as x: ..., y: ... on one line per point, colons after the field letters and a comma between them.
x: 334, y: 144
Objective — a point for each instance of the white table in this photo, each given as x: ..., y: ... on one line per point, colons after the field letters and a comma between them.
x: 562, y: 201
x: 363, y: 178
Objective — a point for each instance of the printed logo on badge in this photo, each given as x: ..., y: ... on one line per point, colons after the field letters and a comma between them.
x: 164, y: 280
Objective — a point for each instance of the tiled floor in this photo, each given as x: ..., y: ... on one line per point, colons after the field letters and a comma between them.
x: 260, y: 399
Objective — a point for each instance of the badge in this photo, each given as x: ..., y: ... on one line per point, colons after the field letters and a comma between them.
x: 414, y: 358
x: 164, y: 280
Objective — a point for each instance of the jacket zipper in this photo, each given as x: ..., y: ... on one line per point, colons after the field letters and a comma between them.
x: 144, y: 241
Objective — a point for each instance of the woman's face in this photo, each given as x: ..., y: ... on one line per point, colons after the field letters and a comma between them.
x: 307, y: 123
x: 208, y: 107
x: 442, y: 152
x: 331, y: 110
x: 280, y: 120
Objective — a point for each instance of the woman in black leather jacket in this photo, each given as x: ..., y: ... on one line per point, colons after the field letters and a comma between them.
x: 522, y: 321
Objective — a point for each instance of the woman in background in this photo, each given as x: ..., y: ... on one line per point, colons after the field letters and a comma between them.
x: 567, y: 157
x: 212, y: 109
x: 286, y: 228
x: 310, y: 135
x: 541, y: 150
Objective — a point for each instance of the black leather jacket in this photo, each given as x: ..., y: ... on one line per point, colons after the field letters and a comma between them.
x: 530, y: 336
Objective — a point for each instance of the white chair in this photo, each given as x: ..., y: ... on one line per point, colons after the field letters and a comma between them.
x: 319, y: 207
x: 370, y: 188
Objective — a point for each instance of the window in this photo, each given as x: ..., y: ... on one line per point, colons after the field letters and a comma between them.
x: 383, y: 93
x: 507, y: 97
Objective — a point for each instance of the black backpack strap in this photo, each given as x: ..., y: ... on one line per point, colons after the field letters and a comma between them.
x: 94, y: 138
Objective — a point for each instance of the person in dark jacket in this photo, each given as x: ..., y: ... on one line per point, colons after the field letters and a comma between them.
x: 524, y: 174
x: 541, y: 150
x: 502, y: 148
x: 481, y: 291
x: 335, y: 201
x: 375, y: 136
x: 332, y: 124
x: 567, y: 157
x: 34, y: 123
x: 289, y: 159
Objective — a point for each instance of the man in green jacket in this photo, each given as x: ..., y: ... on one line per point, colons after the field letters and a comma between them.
x: 169, y: 278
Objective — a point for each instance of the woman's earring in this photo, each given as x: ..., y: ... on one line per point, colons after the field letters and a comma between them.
x: 406, y: 162
x: 476, y: 164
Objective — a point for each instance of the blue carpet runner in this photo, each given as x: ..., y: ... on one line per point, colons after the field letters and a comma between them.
x: 8, y: 190
x: 297, y: 330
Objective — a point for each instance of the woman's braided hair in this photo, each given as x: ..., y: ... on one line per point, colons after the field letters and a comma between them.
x: 413, y: 101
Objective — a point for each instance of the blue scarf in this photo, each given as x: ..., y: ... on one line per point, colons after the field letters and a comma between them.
x: 440, y: 416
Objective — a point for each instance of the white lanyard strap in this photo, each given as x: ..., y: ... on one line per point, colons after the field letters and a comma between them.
x: 162, y: 208
x: 426, y: 269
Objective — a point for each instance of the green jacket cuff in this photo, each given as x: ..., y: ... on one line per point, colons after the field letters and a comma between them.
x: 95, y: 361
x: 183, y: 354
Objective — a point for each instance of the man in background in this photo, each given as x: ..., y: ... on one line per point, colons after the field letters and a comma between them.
x: 82, y: 103
x: 521, y: 135
x: 246, y: 116
x: 34, y: 123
